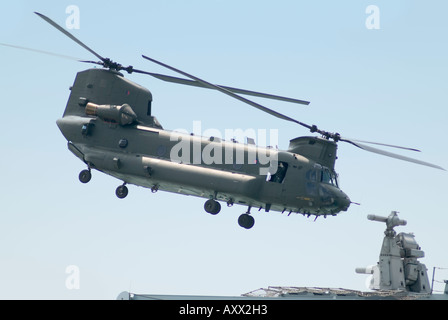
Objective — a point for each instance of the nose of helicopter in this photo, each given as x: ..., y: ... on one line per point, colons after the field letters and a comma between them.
x: 343, y: 201
x: 335, y: 198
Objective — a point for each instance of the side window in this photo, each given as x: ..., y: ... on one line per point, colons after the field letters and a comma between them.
x: 312, y: 175
x: 279, y: 176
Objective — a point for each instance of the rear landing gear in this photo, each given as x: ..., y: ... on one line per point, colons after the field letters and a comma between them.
x: 85, y: 176
x: 212, y: 206
x: 245, y: 220
x: 122, y: 191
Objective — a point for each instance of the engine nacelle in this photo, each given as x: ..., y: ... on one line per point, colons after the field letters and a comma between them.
x: 123, y: 115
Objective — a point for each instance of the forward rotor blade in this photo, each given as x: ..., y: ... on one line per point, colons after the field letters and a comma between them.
x: 381, y: 144
x: 231, y: 89
x: 68, y: 34
x: 90, y: 61
x: 328, y: 135
x: 392, y: 155
x: 231, y: 94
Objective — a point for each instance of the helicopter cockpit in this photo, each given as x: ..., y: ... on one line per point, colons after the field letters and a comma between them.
x: 329, y: 177
x: 324, y: 175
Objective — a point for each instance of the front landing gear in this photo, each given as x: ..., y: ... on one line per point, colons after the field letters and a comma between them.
x: 85, y: 176
x: 122, y: 191
x: 245, y: 220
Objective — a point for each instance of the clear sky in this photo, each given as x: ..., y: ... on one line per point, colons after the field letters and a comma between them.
x: 387, y: 85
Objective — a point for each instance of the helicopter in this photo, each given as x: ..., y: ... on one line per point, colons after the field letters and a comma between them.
x: 109, y: 125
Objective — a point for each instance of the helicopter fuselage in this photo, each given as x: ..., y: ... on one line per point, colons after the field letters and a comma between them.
x: 109, y: 126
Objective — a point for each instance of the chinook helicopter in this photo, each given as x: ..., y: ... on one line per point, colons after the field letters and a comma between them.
x: 109, y: 125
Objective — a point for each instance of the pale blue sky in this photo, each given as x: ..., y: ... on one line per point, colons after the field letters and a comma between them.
x: 387, y: 85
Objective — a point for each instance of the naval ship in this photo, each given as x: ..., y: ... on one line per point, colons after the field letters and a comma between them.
x: 398, y: 275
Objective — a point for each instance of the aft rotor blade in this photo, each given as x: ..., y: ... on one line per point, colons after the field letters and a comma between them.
x: 68, y: 34
x: 234, y: 90
x: 41, y: 51
x: 231, y: 94
x: 50, y: 53
x: 392, y: 155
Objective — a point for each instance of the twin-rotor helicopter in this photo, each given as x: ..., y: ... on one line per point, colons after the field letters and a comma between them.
x: 109, y: 125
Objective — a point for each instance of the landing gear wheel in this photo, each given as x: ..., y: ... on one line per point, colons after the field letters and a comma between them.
x: 212, y: 206
x: 246, y: 221
x: 85, y: 176
x: 121, y: 192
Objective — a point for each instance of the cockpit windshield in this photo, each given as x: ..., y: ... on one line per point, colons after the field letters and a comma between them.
x: 323, y: 175
x: 329, y: 177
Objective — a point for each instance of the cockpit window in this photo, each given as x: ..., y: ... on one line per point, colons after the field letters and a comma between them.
x: 326, y: 177
x: 329, y: 177
x: 322, y: 174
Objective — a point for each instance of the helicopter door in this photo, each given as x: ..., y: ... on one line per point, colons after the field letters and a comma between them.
x: 279, y: 174
x: 273, y: 187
